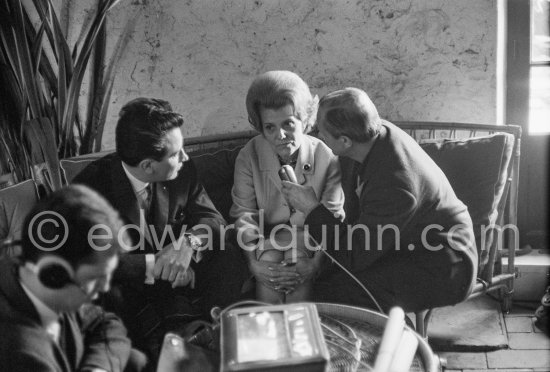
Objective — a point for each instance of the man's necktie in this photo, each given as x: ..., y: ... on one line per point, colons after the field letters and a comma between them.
x: 61, y: 337
x: 145, y: 196
x: 358, y: 181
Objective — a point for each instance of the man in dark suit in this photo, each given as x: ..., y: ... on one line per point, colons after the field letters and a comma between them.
x: 173, y: 272
x: 407, y: 237
x: 47, y: 321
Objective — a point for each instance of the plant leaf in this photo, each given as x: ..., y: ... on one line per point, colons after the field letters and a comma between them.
x: 8, y: 38
x: 109, y: 78
x: 24, y: 59
x: 37, y: 48
x: 40, y: 131
x: 95, y: 89
x: 79, y: 70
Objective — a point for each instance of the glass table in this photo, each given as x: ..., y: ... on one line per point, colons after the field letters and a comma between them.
x: 352, y: 335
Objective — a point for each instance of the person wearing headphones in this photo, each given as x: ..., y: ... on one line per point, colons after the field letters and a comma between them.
x: 70, y: 245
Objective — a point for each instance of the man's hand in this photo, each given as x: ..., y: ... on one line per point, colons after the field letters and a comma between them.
x: 275, y: 275
x: 173, y: 260
x: 185, y: 279
x: 302, y: 198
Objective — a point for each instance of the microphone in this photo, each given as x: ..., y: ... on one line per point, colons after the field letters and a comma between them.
x: 286, y: 173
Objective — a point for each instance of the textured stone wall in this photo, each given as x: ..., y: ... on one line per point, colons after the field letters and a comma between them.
x: 418, y: 60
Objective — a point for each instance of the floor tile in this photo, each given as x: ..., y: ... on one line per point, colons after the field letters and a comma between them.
x: 521, y: 311
x: 464, y: 360
x: 458, y: 328
x: 518, y: 359
x: 525, y: 341
x: 519, y: 324
x: 499, y: 370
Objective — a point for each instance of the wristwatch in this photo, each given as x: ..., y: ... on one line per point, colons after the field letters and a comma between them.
x: 195, y: 242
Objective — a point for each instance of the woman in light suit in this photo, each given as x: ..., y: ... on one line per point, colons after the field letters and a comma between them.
x: 281, y: 107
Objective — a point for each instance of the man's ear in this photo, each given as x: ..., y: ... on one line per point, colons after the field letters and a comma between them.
x: 346, y: 141
x: 146, y: 165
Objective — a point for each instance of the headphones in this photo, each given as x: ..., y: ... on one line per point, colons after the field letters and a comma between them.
x: 53, y: 272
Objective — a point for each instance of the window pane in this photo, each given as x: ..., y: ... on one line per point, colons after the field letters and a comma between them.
x: 540, y: 31
x: 539, y: 74
x: 539, y: 99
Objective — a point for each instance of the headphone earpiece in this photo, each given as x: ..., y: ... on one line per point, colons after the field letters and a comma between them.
x: 53, y: 272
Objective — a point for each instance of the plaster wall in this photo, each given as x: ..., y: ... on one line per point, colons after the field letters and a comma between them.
x: 418, y: 60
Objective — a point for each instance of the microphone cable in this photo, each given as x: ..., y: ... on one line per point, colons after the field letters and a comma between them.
x: 369, y: 294
x: 286, y: 173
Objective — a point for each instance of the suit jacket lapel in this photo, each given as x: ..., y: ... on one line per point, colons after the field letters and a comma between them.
x: 13, y: 290
x: 159, y: 207
x: 268, y: 162
x: 70, y: 341
x: 124, y: 198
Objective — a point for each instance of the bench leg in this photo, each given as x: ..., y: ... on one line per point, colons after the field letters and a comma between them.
x: 507, y: 293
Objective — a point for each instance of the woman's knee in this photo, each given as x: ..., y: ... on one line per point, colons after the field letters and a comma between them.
x: 270, y: 255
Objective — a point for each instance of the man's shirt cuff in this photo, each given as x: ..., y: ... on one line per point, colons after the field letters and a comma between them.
x: 149, y: 268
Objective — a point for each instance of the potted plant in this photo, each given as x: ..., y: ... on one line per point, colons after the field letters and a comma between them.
x: 40, y: 82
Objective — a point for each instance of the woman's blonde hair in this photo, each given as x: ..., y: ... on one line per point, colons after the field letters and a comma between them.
x: 275, y: 89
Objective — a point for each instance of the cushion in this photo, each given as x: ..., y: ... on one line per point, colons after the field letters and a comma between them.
x: 477, y: 170
x: 15, y: 203
x: 71, y: 167
x: 215, y: 172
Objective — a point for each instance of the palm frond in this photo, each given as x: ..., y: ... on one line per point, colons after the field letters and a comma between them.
x: 41, y: 79
x: 109, y: 81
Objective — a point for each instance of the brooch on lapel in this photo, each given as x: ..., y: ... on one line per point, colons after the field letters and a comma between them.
x: 306, y: 168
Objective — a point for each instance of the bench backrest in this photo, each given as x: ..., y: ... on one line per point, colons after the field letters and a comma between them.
x: 481, y: 162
